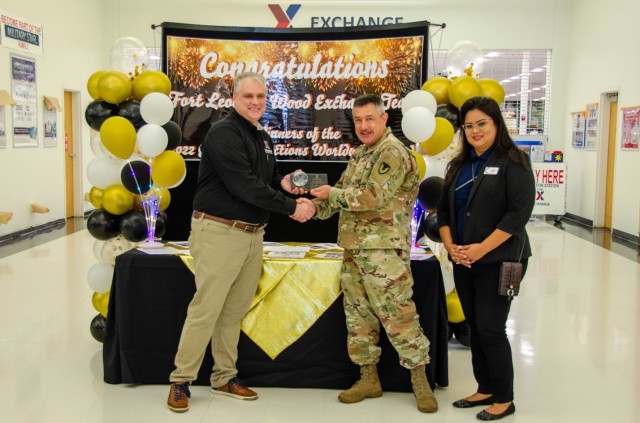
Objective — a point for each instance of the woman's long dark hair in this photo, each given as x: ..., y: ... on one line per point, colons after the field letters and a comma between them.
x: 503, y: 144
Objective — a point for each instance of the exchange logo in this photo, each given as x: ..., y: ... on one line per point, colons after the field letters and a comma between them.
x: 539, y: 195
x: 284, y: 18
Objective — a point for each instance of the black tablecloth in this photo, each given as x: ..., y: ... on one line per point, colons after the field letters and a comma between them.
x: 148, y: 305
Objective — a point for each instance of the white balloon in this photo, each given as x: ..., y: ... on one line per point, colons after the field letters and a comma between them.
x: 151, y: 140
x: 156, y: 108
x: 112, y: 248
x: 99, y: 277
x: 447, y: 269
x: 436, y: 165
x: 96, y: 144
x: 419, y: 98
x: 97, y: 248
x: 103, y: 172
x: 418, y: 124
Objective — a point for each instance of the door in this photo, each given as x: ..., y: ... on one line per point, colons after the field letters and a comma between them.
x: 611, y: 153
x: 68, y: 152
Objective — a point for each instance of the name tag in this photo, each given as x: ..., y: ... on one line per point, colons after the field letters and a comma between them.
x: 491, y: 170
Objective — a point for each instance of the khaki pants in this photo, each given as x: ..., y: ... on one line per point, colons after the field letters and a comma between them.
x: 228, y: 263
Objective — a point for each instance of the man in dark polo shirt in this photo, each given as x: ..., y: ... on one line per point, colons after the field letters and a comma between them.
x: 238, y: 186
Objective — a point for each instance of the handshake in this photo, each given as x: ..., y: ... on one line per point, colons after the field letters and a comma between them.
x: 305, y: 208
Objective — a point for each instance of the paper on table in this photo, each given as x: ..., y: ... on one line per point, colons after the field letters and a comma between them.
x: 330, y: 255
x: 286, y: 248
x: 287, y: 254
x: 325, y: 246
x: 164, y: 250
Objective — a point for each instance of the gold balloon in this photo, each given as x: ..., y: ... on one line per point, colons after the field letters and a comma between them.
x: 492, y: 88
x: 114, y: 87
x: 118, y: 135
x: 164, y: 198
x: 101, y: 302
x: 439, y: 88
x: 441, y: 138
x: 117, y: 199
x: 95, y: 197
x: 462, y: 89
x: 454, y: 308
x: 422, y: 165
x: 137, y: 203
x: 151, y: 81
x: 92, y: 84
x: 167, y: 169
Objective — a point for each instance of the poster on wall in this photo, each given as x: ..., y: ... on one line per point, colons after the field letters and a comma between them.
x: 3, y: 133
x: 591, y: 124
x: 577, y: 129
x: 25, y: 112
x: 50, y: 128
x: 313, y: 78
x: 630, y: 128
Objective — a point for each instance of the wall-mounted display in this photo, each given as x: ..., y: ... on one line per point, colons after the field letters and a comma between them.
x: 630, y: 128
x: 591, y: 124
x: 577, y: 129
x: 50, y: 128
x: 25, y: 112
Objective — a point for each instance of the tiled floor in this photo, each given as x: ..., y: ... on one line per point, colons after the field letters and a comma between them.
x: 575, y: 334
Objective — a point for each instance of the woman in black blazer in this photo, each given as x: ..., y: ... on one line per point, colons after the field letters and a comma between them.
x: 487, y: 199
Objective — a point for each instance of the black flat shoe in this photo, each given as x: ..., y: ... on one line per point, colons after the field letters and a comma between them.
x: 486, y: 416
x: 463, y: 403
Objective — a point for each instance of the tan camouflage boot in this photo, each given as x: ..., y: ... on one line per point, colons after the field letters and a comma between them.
x: 422, y: 390
x: 367, y: 387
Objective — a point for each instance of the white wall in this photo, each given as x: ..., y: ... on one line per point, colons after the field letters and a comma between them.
x: 589, y: 51
x: 74, y: 46
x: 603, y: 57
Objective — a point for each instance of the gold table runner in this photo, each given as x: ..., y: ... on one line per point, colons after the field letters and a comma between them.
x: 292, y: 294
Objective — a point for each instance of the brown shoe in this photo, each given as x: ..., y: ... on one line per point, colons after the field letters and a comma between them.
x: 235, y: 388
x: 179, y: 395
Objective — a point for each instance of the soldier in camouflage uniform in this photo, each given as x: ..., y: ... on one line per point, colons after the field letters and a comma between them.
x: 375, y: 197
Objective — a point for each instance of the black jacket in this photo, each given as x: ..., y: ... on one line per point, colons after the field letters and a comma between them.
x: 503, y: 200
x: 238, y: 177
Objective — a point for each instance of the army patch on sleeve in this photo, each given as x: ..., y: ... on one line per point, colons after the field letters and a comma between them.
x: 386, y: 166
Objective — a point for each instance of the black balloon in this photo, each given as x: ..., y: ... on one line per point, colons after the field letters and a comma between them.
x: 97, y: 327
x: 103, y: 225
x: 429, y: 192
x: 462, y: 332
x: 431, y: 227
x: 130, y: 110
x: 136, y: 176
x: 133, y: 226
x: 450, y: 113
x: 98, y: 111
x: 174, y: 133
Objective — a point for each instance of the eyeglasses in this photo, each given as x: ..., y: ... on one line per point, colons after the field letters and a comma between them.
x: 480, y: 124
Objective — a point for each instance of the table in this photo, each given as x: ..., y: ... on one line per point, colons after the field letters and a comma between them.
x: 148, y: 305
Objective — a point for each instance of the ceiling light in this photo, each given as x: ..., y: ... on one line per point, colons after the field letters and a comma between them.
x: 493, y: 54
x: 504, y: 81
x: 515, y: 77
x: 536, y: 70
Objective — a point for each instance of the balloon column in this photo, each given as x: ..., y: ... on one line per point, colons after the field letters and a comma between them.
x: 133, y: 139
x: 431, y: 120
